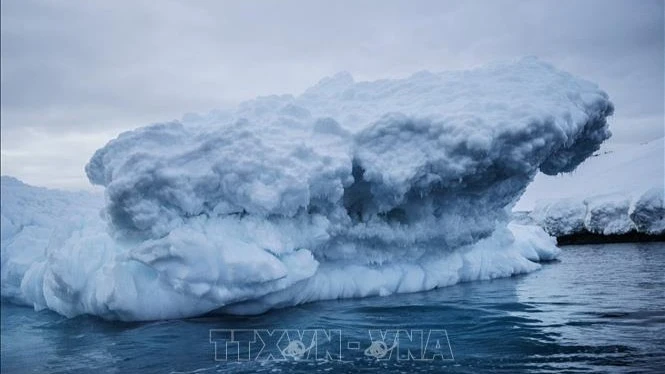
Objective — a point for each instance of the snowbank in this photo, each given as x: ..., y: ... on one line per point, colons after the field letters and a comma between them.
x: 349, y: 190
x: 616, y: 169
x: 613, y: 214
x: 560, y: 217
x: 648, y: 212
x: 617, y: 191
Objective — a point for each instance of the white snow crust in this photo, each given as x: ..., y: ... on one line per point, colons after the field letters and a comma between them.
x: 616, y: 169
x: 605, y: 214
x: 618, y: 190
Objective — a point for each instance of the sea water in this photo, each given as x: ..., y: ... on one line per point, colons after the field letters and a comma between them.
x: 597, y: 308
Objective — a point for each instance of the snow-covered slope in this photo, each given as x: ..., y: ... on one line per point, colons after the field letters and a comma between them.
x: 615, y: 192
x: 604, y: 214
x: 628, y: 170
x: 349, y: 190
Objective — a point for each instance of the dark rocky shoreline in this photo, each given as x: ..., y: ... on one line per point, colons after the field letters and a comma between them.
x: 586, y: 237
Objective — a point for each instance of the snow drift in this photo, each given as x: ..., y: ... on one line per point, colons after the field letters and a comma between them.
x: 617, y: 191
x: 348, y: 190
x: 616, y: 169
x: 612, y: 214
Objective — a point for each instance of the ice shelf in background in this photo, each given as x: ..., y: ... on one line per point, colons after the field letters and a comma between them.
x: 618, y: 191
x: 613, y: 214
x: 624, y: 169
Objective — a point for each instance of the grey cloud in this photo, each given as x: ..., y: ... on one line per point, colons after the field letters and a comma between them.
x: 101, y: 67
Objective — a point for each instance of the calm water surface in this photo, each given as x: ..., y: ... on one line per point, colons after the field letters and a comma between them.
x: 598, y: 309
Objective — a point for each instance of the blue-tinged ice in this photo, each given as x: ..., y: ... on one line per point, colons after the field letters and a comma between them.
x: 351, y: 189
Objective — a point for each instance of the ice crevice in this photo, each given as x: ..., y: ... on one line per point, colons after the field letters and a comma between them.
x: 351, y: 189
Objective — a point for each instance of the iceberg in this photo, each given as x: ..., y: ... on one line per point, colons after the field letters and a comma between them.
x: 352, y: 189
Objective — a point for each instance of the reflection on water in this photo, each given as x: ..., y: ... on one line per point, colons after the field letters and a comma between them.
x: 600, y: 308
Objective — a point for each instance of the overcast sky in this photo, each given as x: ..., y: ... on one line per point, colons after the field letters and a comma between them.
x: 75, y: 73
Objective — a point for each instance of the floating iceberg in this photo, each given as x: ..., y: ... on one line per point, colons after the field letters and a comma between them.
x: 348, y: 190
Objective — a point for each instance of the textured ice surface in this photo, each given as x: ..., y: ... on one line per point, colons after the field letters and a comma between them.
x: 604, y: 214
x: 624, y: 169
x: 348, y: 190
x: 617, y: 191
x: 608, y: 215
x: 648, y: 212
x: 560, y: 217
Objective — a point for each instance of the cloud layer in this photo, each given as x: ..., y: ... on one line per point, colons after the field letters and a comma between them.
x: 75, y: 74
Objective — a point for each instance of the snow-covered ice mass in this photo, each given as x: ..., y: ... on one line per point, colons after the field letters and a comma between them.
x: 613, y: 214
x: 351, y: 189
x: 618, y: 191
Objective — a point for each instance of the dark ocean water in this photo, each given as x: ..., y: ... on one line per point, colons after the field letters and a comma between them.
x: 600, y: 308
